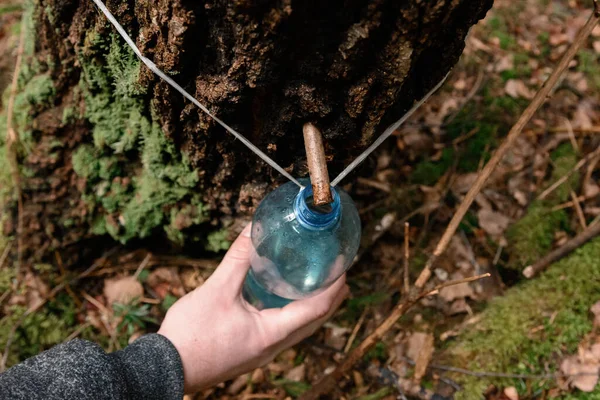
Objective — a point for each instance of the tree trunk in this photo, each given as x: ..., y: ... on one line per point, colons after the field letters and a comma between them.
x: 110, y: 151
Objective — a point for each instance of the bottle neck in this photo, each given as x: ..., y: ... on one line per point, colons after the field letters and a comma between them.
x: 316, y: 217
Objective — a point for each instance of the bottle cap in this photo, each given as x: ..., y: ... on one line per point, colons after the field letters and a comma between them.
x: 316, y: 217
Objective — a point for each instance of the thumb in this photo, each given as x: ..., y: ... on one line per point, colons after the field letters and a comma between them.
x: 230, y: 274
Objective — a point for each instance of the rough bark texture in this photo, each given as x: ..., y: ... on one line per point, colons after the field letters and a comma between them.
x: 112, y: 150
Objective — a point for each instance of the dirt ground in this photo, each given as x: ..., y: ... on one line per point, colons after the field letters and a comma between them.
x: 505, y: 337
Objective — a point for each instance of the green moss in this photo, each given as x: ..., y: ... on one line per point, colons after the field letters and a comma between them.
x: 10, y: 8
x: 137, y: 180
x: 521, y: 68
x: 555, y: 303
x: 428, y: 172
x: 39, y: 331
x: 531, y: 237
x: 589, y: 65
x: 564, y: 160
x: 379, y: 352
x: 378, y: 395
x: 6, y: 276
x: 217, y: 241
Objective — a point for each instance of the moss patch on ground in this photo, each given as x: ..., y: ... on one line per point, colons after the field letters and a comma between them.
x: 137, y: 181
x: 531, y: 237
x: 38, y: 331
x: 556, y: 304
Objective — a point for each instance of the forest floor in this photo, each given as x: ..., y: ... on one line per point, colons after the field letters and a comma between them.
x: 505, y: 337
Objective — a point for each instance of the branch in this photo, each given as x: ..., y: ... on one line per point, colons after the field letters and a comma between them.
x: 589, y: 233
x: 327, y: 382
x: 510, y: 139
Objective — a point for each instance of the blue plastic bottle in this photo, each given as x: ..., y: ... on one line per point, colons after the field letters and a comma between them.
x: 299, y: 249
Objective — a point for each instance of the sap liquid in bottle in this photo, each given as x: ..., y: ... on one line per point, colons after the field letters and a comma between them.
x: 299, y: 249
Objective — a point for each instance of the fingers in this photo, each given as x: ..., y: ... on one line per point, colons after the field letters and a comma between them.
x: 302, y: 313
x: 311, y: 328
x: 232, y: 271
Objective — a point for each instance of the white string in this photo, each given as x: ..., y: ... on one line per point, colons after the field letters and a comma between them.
x: 386, y: 134
x: 188, y: 96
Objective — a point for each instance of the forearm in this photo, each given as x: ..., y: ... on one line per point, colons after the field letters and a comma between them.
x: 150, y: 368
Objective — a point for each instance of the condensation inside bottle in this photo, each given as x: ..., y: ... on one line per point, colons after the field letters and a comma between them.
x: 299, y: 249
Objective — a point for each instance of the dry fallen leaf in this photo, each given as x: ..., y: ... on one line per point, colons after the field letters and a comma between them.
x: 238, y: 384
x: 463, y: 183
x: 517, y: 88
x: 258, y: 376
x: 122, y: 290
x: 168, y: 277
x: 420, y: 350
x: 584, y: 376
x: 296, y: 374
x: 511, y: 393
x: 37, y: 290
x: 460, y: 291
x: 336, y: 336
x: 492, y: 222
x: 584, y: 114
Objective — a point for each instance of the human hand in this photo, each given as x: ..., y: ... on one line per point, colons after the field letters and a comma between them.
x: 219, y: 335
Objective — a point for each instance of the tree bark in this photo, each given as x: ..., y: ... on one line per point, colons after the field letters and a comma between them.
x: 111, y: 151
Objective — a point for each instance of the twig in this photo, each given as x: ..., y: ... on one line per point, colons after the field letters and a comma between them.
x: 355, y: 331
x: 512, y: 136
x: 39, y: 305
x: 5, y: 254
x: 406, y: 256
x: 259, y: 396
x: 63, y: 275
x: 589, y: 233
x: 488, y: 374
x: 77, y: 331
x: 12, y: 138
x: 317, y: 165
x: 156, y: 260
x: 375, y: 184
x: 328, y: 381
x: 485, y: 374
x: 578, y: 210
x: 572, y: 203
x: 468, y: 97
x: 563, y: 178
x: 583, y: 131
x: 143, y: 265
x: 572, y: 135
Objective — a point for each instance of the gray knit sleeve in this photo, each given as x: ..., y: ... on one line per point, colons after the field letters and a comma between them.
x: 149, y: 368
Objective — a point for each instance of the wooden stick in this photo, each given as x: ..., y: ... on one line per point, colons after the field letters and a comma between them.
x: 328, y: 381
x: 540, y: 265
x: 317, y: 165
x: 512, y: 136
x: 406, y: 256
x: 578, y: 210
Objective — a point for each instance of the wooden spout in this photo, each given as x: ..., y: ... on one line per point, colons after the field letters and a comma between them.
x: 317, y: 165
